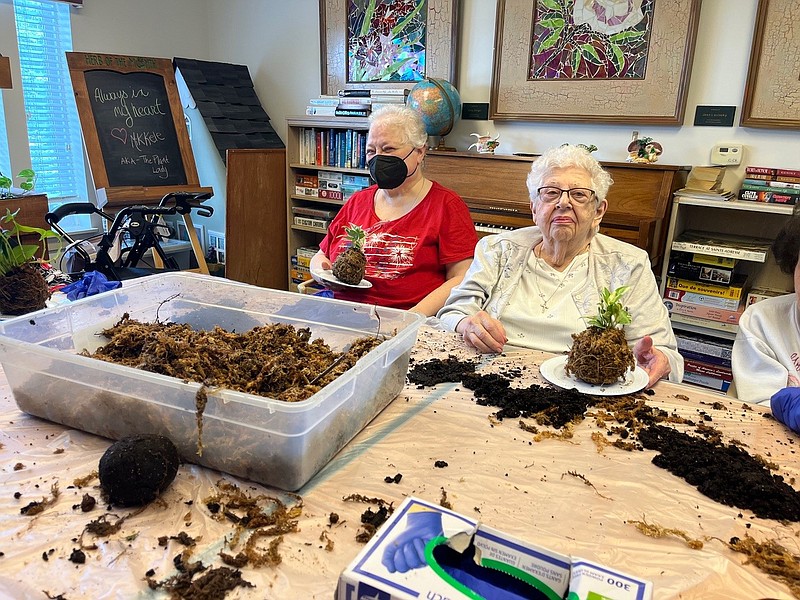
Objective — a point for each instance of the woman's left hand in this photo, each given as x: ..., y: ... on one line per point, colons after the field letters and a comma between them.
x: 651, y: 360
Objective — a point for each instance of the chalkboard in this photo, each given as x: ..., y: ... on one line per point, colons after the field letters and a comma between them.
x: 133, y: 126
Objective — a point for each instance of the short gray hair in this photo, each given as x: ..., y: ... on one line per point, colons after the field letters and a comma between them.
x: 564, y: 157
x: 407, y: 120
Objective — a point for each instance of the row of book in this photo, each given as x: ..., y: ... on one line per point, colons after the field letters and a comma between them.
x: 707, y: 286
x: 355, y: 103
x: 341, y: 148
x: 765, y: 184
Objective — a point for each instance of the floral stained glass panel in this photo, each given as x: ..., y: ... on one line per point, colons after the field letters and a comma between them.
x: 386, y: 40
x: 590, y: 39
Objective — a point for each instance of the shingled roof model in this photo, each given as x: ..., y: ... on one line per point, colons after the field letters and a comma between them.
x: 229, y: 105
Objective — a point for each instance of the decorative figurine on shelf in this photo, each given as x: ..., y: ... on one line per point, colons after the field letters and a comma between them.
x: 485, y: 144
x: 643, y: 150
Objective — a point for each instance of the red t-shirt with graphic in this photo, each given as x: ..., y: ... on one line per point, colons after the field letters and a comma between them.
x: 406, y: 257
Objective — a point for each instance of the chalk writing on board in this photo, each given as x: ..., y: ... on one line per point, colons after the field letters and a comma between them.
x: 135, y: 128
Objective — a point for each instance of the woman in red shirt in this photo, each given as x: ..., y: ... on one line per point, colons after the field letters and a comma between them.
x: 420, y: 238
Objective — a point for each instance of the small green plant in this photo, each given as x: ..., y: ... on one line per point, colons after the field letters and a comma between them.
x: 13, y: 256
x: 27, y: 183
x: 610, y: 311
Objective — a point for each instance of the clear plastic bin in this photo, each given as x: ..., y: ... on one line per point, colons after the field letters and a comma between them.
x: 269, y: 441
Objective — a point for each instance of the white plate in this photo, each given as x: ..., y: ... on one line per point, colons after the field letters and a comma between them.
x: 553, y: 371
x: 327, y: 275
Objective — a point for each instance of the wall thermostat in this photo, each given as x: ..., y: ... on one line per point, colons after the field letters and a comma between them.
x: 727, y: 154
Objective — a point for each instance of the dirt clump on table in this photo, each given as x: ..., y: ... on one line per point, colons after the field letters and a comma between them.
x: 136, y: 469
x: 725, y: 473
x: 277, y: 361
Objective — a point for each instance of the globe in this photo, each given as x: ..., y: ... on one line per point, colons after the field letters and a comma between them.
x: 439, y: 104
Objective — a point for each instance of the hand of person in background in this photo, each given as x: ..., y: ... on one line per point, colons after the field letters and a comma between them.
x: 407, y: 550
x: 785, y: 405
x: 320, y: 262
x: 651, y: 360
x: 483, y: 332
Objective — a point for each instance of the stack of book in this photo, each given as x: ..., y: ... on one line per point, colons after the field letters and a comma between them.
x: 705, y: 182
x: 355, y: 103
x: 706, y: 288
x: 706, y: 360
x: 765, y: 184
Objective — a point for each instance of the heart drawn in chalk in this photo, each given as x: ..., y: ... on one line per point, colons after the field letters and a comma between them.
x: 120, y: 133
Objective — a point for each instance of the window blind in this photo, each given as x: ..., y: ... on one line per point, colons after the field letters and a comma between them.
x: 54, y: 134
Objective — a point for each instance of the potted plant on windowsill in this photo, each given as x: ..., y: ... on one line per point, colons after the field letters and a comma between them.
x: 29, y: 208
x: 23, y: 288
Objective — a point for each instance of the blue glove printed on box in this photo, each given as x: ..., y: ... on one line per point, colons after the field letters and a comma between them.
x: 785, y: 405
x: 407, y: 550
x: 90, y: 284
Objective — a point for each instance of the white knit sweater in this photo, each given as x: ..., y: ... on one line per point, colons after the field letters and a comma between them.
x: 492, y: 280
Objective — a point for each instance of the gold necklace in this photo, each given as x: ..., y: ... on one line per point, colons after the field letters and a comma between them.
x: 544, y: 301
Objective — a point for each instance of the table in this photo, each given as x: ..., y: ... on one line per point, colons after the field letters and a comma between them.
x: 495, y: 471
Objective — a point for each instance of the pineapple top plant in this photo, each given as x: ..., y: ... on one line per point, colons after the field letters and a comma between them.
x: 350, y: 265
x: 600, y: 354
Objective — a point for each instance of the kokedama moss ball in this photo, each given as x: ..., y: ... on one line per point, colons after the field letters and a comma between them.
x: 136, y: 469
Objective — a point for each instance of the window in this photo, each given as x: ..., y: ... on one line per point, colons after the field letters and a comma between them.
x: 54, y: 134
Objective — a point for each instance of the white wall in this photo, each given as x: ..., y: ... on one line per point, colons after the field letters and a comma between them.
x: 279, y: 41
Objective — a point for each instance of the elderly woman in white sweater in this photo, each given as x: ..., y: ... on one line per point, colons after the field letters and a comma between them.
x: 534, y: 287
x: 766, y: 353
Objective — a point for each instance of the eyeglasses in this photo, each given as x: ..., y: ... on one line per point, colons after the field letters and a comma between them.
x: 551, y: 195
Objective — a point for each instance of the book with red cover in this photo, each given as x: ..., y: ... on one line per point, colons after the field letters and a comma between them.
x: 709, y: 370
x: 768, y: 196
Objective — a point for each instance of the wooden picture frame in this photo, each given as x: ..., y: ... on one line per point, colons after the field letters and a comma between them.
x: 772, y: 77
x: 656, y: 96
x: 441, y: 46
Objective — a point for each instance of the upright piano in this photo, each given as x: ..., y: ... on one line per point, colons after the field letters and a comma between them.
x: 494, y: 188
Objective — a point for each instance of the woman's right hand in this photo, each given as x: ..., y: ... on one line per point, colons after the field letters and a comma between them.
x: 483, y: 332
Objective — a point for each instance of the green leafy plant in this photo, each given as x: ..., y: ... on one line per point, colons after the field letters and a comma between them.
x: 27, y: 183
x: 13, y: 256
x: 610, y: 311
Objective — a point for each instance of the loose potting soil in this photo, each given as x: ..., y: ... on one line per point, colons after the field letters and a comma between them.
x: 723, y: 472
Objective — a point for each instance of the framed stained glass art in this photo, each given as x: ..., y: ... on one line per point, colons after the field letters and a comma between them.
x: 386, y: 43
x: 773, y: 81
x: 613, y: 61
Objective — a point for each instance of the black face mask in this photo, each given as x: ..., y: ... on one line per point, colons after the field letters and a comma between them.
x: 389, y: 171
